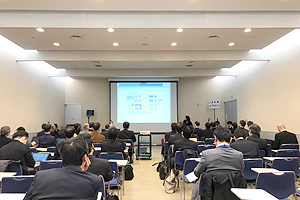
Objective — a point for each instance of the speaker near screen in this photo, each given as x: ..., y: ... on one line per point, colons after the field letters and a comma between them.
x: 90, y: 112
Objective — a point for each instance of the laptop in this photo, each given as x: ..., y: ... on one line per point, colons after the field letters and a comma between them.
x: 40, y: 156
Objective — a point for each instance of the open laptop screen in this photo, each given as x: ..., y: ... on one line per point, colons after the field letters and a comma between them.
x: 40, y: 156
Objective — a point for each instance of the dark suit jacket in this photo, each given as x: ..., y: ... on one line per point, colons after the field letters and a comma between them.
x: 197, y: 133
x: 185, y: 143
x: 41, y: 133
x: 69, y: 182
x: 168, y: 134
x: 47, y: 140
x: 284, y: 137
x: 55, y: 133
x: 4, y: 140
x: 248, y: 148
x: 100, y: 167
x: 206, y: 133
x: 126, y: 134
x: 173, y: 138
x: 56, y: 153
x: 18, y: 151
x: 105, y: 133
x: 113, y: 146
x: 262, y: 144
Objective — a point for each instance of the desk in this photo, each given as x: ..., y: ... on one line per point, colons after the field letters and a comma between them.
x: 264, y: 170
x: 7, y: 174
x: 121, y: 163
x: 252, y: 194
x: 273, y: 158
x: 41, y: 149
x: 20, y: 196
x: 97, y: 148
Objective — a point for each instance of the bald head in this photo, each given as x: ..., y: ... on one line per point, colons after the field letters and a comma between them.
x: 281, y: 127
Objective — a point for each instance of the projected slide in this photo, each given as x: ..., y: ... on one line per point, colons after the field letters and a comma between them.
x: 144, y: 102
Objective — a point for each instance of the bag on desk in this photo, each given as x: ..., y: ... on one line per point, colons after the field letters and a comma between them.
x: 128, y: 172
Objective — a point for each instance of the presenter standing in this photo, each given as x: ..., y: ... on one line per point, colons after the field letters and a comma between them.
x: 187, y: 121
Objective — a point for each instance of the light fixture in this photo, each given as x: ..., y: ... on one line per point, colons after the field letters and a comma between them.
x: 56, y: 44
x: 231, y: 44
x: 110, y: 30
x: 247, y: 30
x: 40, y: 30
x: 116, y: 44
x: 179, y: 30
x: 174, y: 44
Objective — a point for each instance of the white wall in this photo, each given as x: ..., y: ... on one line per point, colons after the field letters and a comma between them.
x: 28, y: 96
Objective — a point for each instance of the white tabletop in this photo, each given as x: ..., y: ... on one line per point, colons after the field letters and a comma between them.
x: 41, y: 149
x: 7, y: 174
x: 128, y: 144
x: 252, y: 194
x: 264, y: 170
x: 273, y: 158
x: 97, y: 148
x: 119, y: 162
x: 20, y: 196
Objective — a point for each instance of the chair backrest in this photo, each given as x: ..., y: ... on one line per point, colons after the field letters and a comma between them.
x: 204, y: 147
x: 201, y: 143
x: 115, y: 156
x: 60, y: 139
x: 51, y: 164
x: 179, y: 159
x: 51, y: 149
x: 269, y: 149
x: 17, y: 184
x: 252, y: 163
x: 189, y: 166
x: 279, y: 184
x: 290, y: 146
x: 114, y: 167
x: 232, y: 140
x: 288, y: 153
x: 97, y: 144
x: 102, y: 187
x: 287, y: 164
x: 262, y: 153
x: 171, y: 151
x: 209, y: 140
x: 14, y: 167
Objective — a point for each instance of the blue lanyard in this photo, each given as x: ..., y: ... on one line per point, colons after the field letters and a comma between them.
x: 223, y: 146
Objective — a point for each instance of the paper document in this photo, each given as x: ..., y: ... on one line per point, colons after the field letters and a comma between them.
x: 191, y: 177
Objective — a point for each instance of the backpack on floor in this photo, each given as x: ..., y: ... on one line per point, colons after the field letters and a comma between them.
x: 128, y: 173
x: 162, y: 169
x: 112, y: 197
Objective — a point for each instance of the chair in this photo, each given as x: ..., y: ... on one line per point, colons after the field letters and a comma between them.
x: 262, y: 153
x: 179, y: 161
x: 290, y: 146
x: 288, y: 153
x: 287, y: 164
x: 114, y: 156
x: 209, y: 140
x: 116, y: 180
x: 51, y: 149
x: 201, y: 143
x: 15, y: 167
x: 188, y: 167
x: 269, y: 149
x: 232, y: 140
x: 17, y: 184
x: 102, y: 187
x: 250, y: 175
x: 51, y: 164
x: 205, y: 147
x: 171, y: 151
x: 279, y: 184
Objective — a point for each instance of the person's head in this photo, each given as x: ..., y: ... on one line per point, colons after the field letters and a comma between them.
x: 187, y: 118
x: 197, y: 123
x: 5, y: 130
x: 280, y: 127
x: 21, y: 136
x: 213, y: 124
x: 77, y: 126
x: 47, y: 127
x: 43, y: 125
x: 69, y: 131
x: 242, y: 123
x: 249, y: 123
x: 126, y: 125
x: 234, y: 125
x: 107, y: 126
x: 96, y: 126
x: 187, y: 131
x: 86, y: 126
x: 112, y: 133
x: 74, y: 152
x: 217, y: 123
x: 56, y: 126
x: 254, y: 129
x: 239, y: 132
x: 179, y: 127
x: 91, y: 124
x: 229, y: 124
x: 173, y: 126
x: 21, y: 128
x: 52, y: 127
x: 222, y: 134
x: 207, y: 125
x: 88, y: 138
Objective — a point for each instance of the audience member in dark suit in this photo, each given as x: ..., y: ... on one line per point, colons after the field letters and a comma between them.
x: 54, y: 132
x: 70, y: 182
x: 105, y: 133
x: 127, y: 134
x: 221, y: 158
x: 196, y: 130
x: 98, y: 166
x: 5, y: 131
x: 248, y: 148
x: 47, y: 140
x: 112, y: 145
x: 185, y: 142
x: 17, y: 150
x: 242, y: 125
x: 187, y: 121
x: 91, y: 126
x: 69, y: 133
x: 254, y: 132
x: 41, y: 133
x: 179, y: 128
x: 234, y: 125
x: 96, y: 136
x: 77, y: 127
x: 206, y: 133
x: 283, y: 137
x: 218, y: 124
x: 168, y: 134
x: 213, y: 126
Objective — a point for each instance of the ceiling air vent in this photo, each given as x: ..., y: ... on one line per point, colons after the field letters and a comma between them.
x: 98, y: 65
x: 214, y: 37
x: 75, y: 37
x: 189, y: 65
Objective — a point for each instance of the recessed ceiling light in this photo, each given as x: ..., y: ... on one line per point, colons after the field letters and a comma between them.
x: 174, y: 44
x: 110, y: 30
x: 231, y: 44
x: 247, y: 30
x: 179, y: 30
x: 40, y: 30
x: 116, y: 44
x: 56, y: 44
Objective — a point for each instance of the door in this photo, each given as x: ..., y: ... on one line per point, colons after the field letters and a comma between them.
x: 230, y: 108
x: 72, y: 113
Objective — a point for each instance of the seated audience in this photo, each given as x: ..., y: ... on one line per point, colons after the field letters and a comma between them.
x: 248, y: 148
x: 77, y: 127
x: 127, y: 134
x: 42, y: 132
x: 187, y: 121
x: 184, y: 142
x: 98, y: 166
x: 54, y: 131
x: 69, y: 133
x: 212, y: 126
x: 242, y: 125
x: 112, y: 145
x: 85, y: 128
x: 234, y: 127
x: 217, y: 124
x: 283, y: 137
x: 249, y: 123
x: 254, y: 132
x: 17, y: 150
x: 70, y: 182
x: 105, y: 133
x: 47, y: 140
x: 221, y: 158
x: 206, y: 133
x: 96, y: 136
x: 91, y: 126
x: 173, y: 131
x: 5, y: 131
x: 177, y: 136
x: 21, y: 128
x: 197, y: 130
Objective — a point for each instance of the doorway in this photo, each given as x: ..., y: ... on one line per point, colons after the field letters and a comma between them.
x: 230, y: 108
